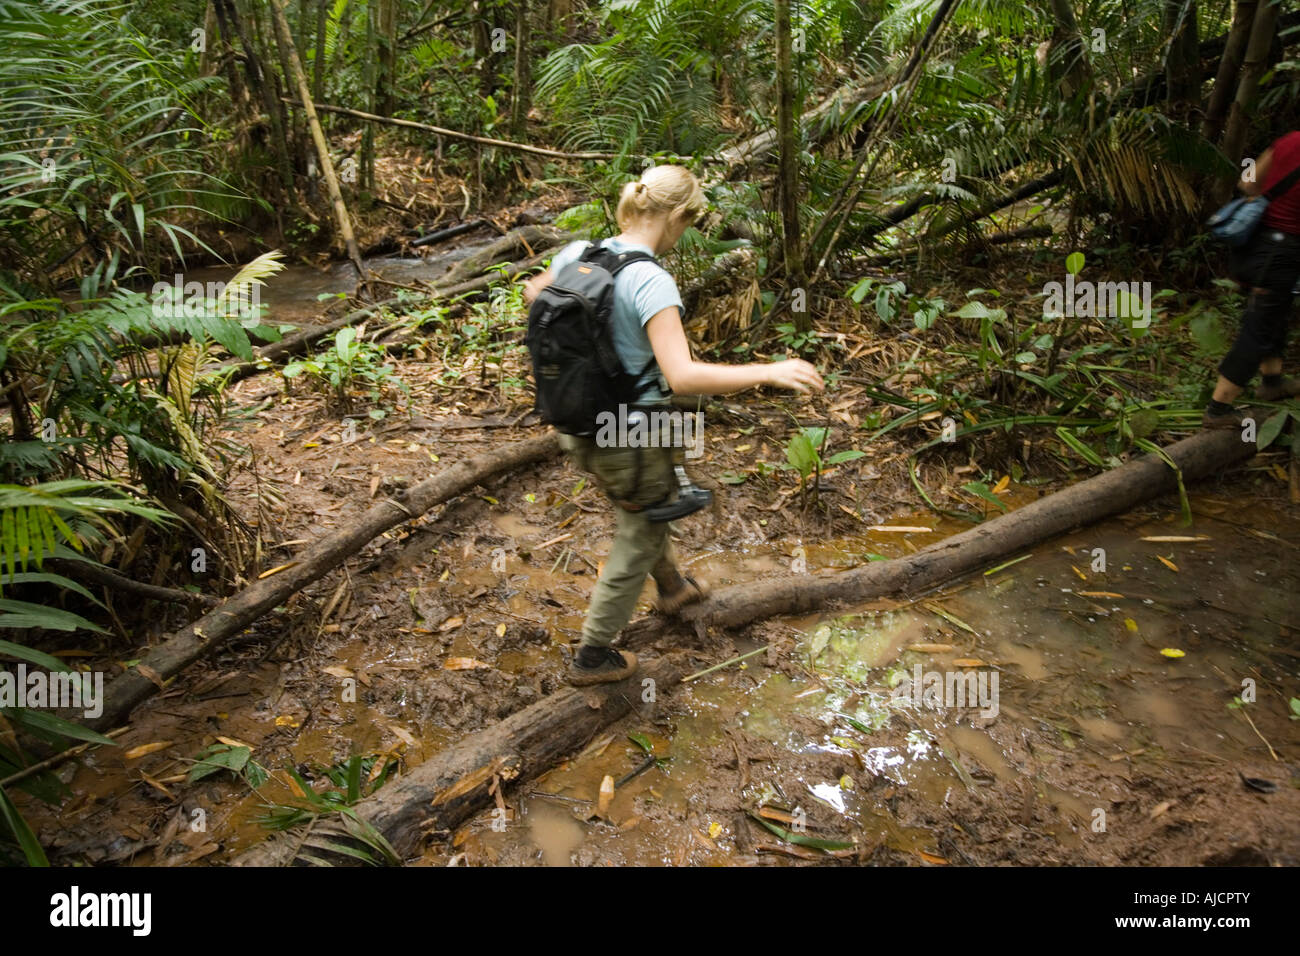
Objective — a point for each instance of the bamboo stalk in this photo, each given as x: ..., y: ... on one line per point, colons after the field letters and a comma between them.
x: 318, y: 137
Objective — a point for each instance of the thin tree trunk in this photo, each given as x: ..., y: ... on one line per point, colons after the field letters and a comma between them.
x: 788, y: 162
x: 521, y: 87
x: 318, y: 57
x: 259, y: 87
x: 1183, y: 65
x: 1225, y: 81
x: 483, y: 52
x: 1068, y: 56
x: 251, y: 17
x: 209, y: 38
x: 318, y: 136
x: 238, y: 91
x: 369, y: 82
x: 1252, y: 68
x: 387, y: 30
x: 293, y: 126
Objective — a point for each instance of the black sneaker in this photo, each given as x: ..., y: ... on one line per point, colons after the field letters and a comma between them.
x: 689, y: 500
x: 601, y: 665
x: 1232, y: 418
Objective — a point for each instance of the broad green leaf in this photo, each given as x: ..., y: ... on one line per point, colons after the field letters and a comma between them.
x: 981, y: 490
x: 842, y: 456
x: 1271, y: 428
x: 31, y: 847
x: 50, y: 724
x: 32, y: 656
x: 217, y: 758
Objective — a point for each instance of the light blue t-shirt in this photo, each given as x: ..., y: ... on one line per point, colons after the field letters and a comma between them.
x: 641, y: 291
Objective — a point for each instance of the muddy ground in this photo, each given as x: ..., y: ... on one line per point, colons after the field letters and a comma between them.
x: 1106, y: 748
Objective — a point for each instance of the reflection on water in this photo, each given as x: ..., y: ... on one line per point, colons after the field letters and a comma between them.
x: 1090, y: 656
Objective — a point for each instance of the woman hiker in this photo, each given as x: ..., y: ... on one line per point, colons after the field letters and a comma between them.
x: 1270, y: 267
x: 652, y: 213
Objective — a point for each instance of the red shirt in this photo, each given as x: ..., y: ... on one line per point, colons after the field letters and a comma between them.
x: 1284, y: 211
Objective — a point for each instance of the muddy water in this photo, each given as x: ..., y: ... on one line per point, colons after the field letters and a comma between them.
x: 293, y: 295
x: 1134, y: 660
x: 1077, y: 653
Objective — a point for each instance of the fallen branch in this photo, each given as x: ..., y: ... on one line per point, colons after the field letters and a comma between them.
x: 450, y: 787
x: 53, y: 761
x: 438, y: 235
x: 300, y: 341
x: 974, y: 245
x: 1205, y: 453
x: 453, y: 134
x: 99, y: 574
x: 525, y: 239
x: 218, y: 626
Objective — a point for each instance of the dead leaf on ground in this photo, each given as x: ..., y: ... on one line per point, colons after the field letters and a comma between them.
x: 145, y: 749
x: 606, y: 795
x: 1160, y: 808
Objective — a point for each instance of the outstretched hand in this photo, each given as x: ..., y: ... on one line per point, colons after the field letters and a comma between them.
x: 795, y: 374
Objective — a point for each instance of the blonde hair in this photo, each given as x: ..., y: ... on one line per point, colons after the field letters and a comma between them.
x: 661, y: 192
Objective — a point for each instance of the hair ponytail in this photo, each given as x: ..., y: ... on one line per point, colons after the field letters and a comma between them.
x: 661, y: 192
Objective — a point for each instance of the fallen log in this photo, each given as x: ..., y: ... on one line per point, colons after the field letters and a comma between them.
x: 452, y: 284
x: 525, y: 239
x: 449, y: 788
x: 219, y: 625
x: 508, y: 270
x: 300, y: 341
x: 1205, y: 453
x: 438, y: 235
x: 398, y: 342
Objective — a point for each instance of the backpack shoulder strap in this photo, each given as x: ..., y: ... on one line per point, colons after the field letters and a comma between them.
x: 623, y: 259
x: 1283, y: 185
x: 613, y: 262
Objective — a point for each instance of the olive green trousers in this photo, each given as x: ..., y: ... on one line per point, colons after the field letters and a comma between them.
x: 632, y: 478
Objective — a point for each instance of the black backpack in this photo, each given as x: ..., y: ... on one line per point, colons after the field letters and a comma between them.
x: 576, y: 368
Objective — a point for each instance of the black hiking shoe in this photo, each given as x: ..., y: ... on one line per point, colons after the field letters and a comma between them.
x: 1232, y: 418
x: 1287, y: 388
x: 600, y: 665
x: 689, y: 500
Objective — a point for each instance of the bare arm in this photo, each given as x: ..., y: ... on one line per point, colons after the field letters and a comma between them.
x: 1254, y: 187
x: 536, y: 284
x: 689, y: 377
